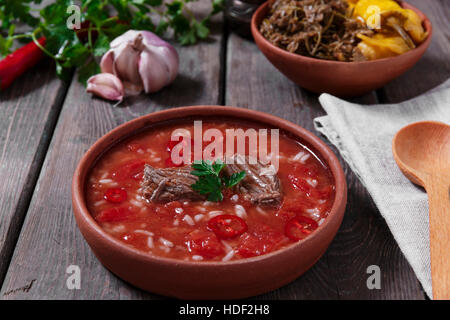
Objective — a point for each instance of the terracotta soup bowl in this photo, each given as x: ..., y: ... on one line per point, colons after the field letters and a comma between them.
x: 344, y: 79
x: 203, y: 279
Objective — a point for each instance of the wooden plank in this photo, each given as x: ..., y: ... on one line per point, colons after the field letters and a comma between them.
x: 364, y: 238
x: 29, y: 109
x: 434, y: 67
x: 50, y: 240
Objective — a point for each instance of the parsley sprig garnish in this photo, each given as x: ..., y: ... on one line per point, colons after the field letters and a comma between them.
x: 209, y: 180
x: 64, y: 44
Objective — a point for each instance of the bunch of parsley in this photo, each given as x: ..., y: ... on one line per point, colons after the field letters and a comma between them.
x: 106, y: 19
x: 210, y: 182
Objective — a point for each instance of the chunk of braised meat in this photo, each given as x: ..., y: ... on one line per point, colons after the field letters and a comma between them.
x: 261, y: 184
x: 169, y: 184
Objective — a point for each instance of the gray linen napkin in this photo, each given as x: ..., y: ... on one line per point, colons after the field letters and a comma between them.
x: 363, y: 134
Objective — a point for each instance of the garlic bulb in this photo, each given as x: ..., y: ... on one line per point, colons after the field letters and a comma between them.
x: 106, y: 85
x: 142, y: 61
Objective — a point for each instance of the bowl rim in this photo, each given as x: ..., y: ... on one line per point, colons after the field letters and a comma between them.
x: 257, y: 35
x: 144, y: 122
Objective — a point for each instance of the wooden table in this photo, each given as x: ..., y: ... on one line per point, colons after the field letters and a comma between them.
x: 47, y: 125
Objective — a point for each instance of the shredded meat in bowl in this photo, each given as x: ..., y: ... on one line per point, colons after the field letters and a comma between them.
x: 321, y: 29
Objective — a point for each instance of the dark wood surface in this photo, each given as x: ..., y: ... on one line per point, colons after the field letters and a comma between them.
x: 47, y: 125
x: 29, y: 110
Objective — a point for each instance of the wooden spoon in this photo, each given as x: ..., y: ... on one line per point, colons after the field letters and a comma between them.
x: 422, y: 151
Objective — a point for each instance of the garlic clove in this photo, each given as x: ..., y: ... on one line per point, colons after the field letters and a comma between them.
x: 128, y: 36
x: 167, y: 52
x: 106, y: 85
x: 151, y: 39
x: 106, y: 64
x: 126, y: 65
x: 172, y: 63
x: 153, y: 72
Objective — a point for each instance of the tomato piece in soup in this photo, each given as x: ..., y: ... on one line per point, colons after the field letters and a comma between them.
x: 133, y: 169
x: 114, y: 214
x: 311, y: 172
x: 300, y: 184
x: 260, y: 240
x: 323, y: 193
x: 295, y: 206
x: 115, y: 195
x: 205, y: 244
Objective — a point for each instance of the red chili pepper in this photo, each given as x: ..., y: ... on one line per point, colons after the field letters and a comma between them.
x: 299, y: 227
x: 227, y: 226
x: 115, y: 195
x: 16, y: 63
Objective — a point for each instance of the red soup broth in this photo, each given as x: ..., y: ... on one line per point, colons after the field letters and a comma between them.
x: 191, y: 230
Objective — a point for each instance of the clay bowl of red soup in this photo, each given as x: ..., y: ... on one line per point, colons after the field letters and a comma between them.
x: 161, y: 210
x: 344, y: 79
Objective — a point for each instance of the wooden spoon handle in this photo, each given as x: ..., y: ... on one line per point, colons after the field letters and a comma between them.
x: 439, y: 202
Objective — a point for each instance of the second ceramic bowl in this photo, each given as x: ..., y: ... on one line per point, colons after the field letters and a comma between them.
x: 343, y: 79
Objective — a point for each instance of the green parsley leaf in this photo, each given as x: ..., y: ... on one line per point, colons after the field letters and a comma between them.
x: 210, y: 182
x: 162, y: 27
x: 63, y: 73
x: 154, y: 3
x: 101, y: 45
x: 234, y: 179
x: 201, y: 30
x: 14, y: 10
x: 204, y: 167
x: 186, y: 37
x: 86, y: 71
x: 6, y: 43
x: 210, y: 185
x: 218, y: 166
x: 217, y: 6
